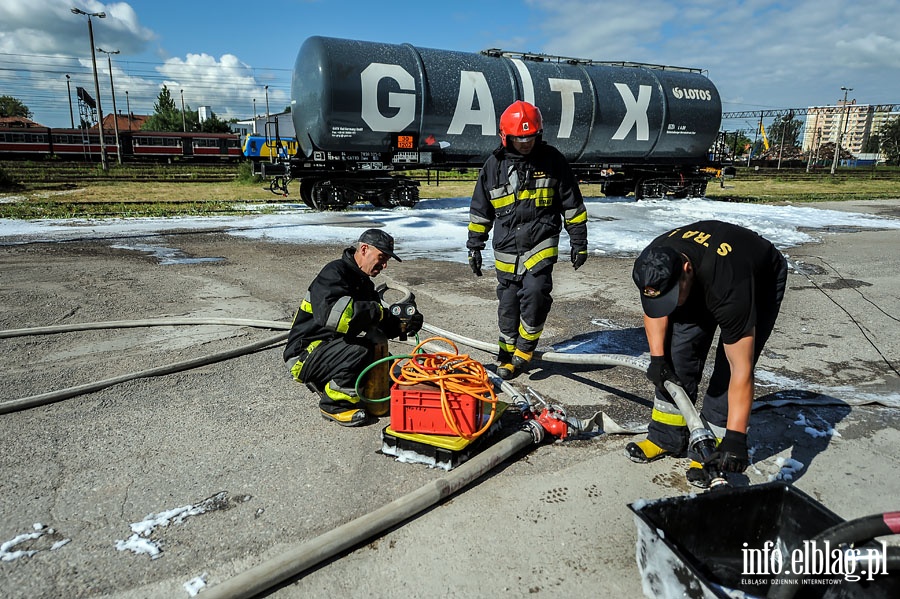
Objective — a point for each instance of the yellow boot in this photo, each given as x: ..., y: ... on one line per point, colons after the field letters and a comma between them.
x: 697, y: 475
x: 337, y: 406
x: 644, y: 452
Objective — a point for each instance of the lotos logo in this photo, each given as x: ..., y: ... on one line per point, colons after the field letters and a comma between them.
x: 691, y: 94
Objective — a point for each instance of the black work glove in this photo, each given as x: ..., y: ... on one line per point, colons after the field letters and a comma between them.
x: 660, y: 371
x: 579, y: 256
x: 415, y: 323
x: 731, y: 454
x: 475, y: 262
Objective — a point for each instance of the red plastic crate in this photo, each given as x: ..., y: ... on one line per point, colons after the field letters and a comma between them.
x: 417, y: 409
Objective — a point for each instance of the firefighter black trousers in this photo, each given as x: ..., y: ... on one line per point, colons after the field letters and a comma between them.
x: 340, y: 360
x: 523, y: 309
x: 688, y: 342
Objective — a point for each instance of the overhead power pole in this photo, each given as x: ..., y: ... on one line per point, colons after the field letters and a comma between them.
x: 104, y: 161
x: 112, y: 89
x: 837, y: 147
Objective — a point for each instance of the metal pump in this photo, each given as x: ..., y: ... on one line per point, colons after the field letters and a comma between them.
x: 404, y: 310
x: 551, y: 418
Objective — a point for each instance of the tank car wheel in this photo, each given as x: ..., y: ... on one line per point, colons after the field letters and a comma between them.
x: 306, y: 192
x: 406, y: 196
x: 328, y: 196
x: 639, y: 190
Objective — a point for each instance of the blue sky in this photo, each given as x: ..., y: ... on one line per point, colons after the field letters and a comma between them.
x: 759, y: 54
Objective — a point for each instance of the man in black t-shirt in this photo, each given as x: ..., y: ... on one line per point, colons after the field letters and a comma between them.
x: 693, y: 280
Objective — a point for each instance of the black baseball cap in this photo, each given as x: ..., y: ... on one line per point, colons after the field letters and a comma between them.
x: 381, y: 240
x: 656, y: 274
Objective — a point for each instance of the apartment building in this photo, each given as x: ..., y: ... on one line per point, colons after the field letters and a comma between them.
x: 824, y: 123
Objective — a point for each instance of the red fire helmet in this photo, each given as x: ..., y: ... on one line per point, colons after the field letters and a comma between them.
x: 521, y: 119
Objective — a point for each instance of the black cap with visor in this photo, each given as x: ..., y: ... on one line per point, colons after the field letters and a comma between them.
x: 380, y: 240
x: 656, y: 273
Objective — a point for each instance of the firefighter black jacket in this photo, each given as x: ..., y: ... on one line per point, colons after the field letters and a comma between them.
x: 341, y: 301
x: 526, y: 200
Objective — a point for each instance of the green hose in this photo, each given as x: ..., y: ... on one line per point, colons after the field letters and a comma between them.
x: 370, y: 367
x: 373, y: 365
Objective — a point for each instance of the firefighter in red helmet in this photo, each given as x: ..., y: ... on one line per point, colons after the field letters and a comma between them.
x: 526, y: 193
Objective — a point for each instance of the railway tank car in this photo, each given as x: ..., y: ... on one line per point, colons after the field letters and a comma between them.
x: 366, y: 111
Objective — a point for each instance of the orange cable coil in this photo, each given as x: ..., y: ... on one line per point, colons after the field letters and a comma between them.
x: 450, y: 372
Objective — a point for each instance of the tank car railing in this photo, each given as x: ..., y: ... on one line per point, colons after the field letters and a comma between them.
x: 537, y: 57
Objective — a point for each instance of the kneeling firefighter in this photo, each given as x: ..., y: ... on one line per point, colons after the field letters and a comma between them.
x: 341, y: 327
x: 526, y: 192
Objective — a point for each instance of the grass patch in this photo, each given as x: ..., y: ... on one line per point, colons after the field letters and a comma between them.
x: 826, y: 189
x: 28, y: 210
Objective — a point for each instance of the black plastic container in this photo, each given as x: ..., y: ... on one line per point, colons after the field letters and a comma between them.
x: 698, y: 546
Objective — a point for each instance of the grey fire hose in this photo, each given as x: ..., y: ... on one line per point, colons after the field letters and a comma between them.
x: 559, y: 358
x: 684, y: 403
x: 303, y: 557
x: 295, y: 561
x: 54, y: 396
x: 149, y: 322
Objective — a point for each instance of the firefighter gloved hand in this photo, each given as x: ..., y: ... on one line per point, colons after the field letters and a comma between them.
x: 660, y: 371
x: 415, y: 323
x: 579, y: 256
x: 731, y: 454
x: 475, y: 262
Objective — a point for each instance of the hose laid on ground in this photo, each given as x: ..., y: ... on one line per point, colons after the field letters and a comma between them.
x: 315, y: 551
x: 559, y: 358
x: 59, y: 395
x: 695, y: 424
x: 54, y: 396
x: 149, y: 322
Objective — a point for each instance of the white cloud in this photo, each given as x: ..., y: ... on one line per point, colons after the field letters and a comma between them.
x: 872, y: 49
x: 220, y: 83
x: 43, y: 47
x: 776, y: 54
x: 55, y: 30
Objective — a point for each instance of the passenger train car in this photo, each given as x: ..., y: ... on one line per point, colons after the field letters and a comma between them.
x: 259, y: 147
x: 78, y: 145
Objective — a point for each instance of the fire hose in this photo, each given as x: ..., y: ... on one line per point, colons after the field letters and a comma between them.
x: 539, y: 421
x: 295, y: 561
x: 701, y: 443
